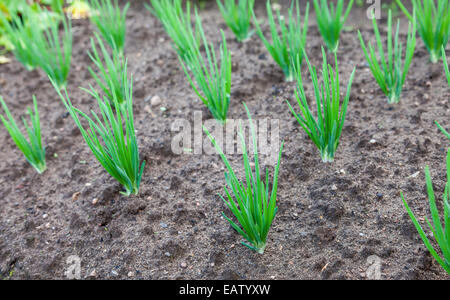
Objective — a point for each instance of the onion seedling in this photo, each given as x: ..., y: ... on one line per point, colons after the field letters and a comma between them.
x: 389, y: 72
x: 238, y: 16
x: 33, y: 150
x: 433, y: 24
x: 440, y: 233
x: 110, y: 22
x: 326, y: 130
x: 331, y: 21
x: 212, y: 80
x: 115, y: 149
x: 20, y: 35
x: 177, y: 24
x: 53, y: 55
x: 289, y: 41
x: 252, y: 202
x: 112, y: 77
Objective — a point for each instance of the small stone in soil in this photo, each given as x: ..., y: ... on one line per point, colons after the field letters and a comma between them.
x: 93, y: 274
x: 163, y: 225
x: 75, y: 196
x: 155, y: 101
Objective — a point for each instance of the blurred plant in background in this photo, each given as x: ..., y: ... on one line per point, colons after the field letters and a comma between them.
x: 43, y: 10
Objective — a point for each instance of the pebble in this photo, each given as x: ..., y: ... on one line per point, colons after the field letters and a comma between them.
x: 114, y: 273
x: 93, y: 274
x: 163, y: 225
x: 276, y: 6
x: 155, y: 101
x: 380, y: 195
x: 167, y: 254
x: 45, y: 216
x: 334, y: 187
x: 130, y: 274
x: 94, y: 201
x: 183, y: 265
x: 75, y: 196
x: 415, y: 174
x: 372, y: 141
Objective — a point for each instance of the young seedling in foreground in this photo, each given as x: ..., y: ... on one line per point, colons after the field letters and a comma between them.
x: 238, y: 16
x: 177, y: 24
x: 115, y: 149
x: 33, y: 150
x: 288, y: 41
x: 331, y: 21
x: 212, y: 80
x: 110, y: 22
x: 112, y: 77
x: 390, y: 74
x: 433, y: 24
x: 252, y: 202
x: 440, y: 233
x: 326, y: 131
x: 54, y: 54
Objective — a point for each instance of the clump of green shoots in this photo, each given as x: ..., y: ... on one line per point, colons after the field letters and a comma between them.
x: 288, y: 41
x: 326, y: 130
x: 440, y: 233
x: 177, y: 24
x: 252, y: 202
x: 110, y: 22
x: 112, y: 77
x: 388, y: 70
x: 20, y: 35
x: 115, y: 148
x: 238, y: 16
x: 212, y: 80
x: 54, y: 54
x: 433, y: 24
x: 33, y: 150
x: 331, y: 21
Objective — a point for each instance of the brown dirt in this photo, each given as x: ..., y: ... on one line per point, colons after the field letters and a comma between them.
x: 331, y: 217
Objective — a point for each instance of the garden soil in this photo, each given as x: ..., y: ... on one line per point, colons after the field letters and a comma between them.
x: 335, y: 220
